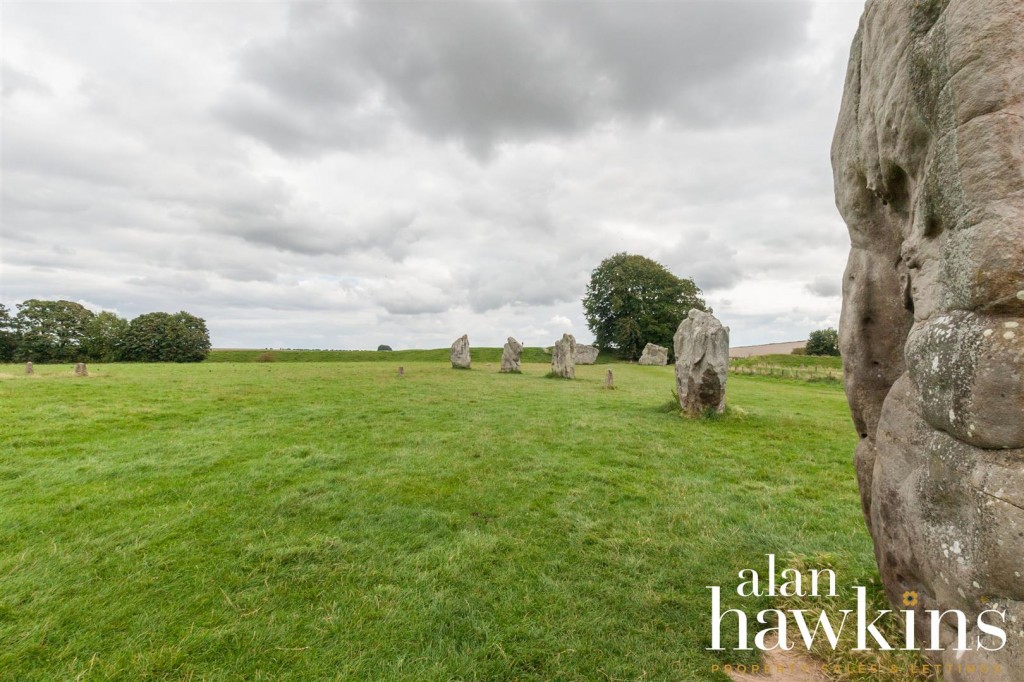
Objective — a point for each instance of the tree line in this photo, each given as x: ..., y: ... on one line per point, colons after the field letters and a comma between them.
x: 65, y: 331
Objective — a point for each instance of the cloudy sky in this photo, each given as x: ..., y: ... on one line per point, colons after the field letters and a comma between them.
x: 339, y: 175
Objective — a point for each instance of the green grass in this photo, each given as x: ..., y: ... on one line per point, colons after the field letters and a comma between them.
x: 235, y: 521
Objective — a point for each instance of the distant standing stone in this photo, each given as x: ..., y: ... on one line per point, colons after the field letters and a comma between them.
x: 510, y: 356
x: 702, y: 363
x: 29, y: 369
x: 460, y: 353
x: 609, y: 380
x: 563, y: 355
x: 654, y: 355
x: 401, y: 371
x: 585, y: 355
x: 80, y: 370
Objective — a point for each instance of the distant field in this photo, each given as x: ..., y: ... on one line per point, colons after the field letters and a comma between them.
x: 324, y: 520
x: 807, y: 367
x: 480, y: 355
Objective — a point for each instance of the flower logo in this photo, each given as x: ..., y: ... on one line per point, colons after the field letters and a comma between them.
x: 910, y: 598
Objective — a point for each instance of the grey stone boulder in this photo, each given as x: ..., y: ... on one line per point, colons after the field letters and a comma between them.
x: 510, y: 356
x: 81, y: 370
x: 585, y: 355
x: 460, y: 353
x: 654, y: 355
x: 563, y: 363
x: 702, y: 363
x: 928, y: 167
x: 29, y: 368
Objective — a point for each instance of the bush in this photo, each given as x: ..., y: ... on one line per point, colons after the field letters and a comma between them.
x: 383, y: 347
x: 265, y: 356
x: 799, y: 351
x: 162, y: 337
x: 823, y: 342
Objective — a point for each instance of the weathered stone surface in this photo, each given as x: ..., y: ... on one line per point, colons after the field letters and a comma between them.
x: 609, y: 379
x: 81, y: 370
x: 654, y: 355
x: 29, y: 368
x: 928, y: 162
x: 585, y: 355
x: 563, y: 355
x: 702, y: 363
x: 510, y: 355
x: 460, y: 353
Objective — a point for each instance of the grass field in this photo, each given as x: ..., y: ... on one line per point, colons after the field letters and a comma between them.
x: 332, y: 520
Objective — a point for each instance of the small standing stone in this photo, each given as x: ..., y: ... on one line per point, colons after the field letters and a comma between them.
x: 563, y: 363
x: 401, y: 371
x: 510, y: 356
x: 460, y: 353
x: 29, y: 369
x: 80, y: 370
x: 702, y: 363
x: 585, y: 355
x: 609, y: 380
x: 654, y: 355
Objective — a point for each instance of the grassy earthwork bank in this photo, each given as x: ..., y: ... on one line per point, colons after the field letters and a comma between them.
x: 331, y: 520
x: 480, y: 355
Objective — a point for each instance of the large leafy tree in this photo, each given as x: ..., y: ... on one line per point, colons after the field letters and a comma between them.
x: 823, y: 342
x: 163, y: 337
x: 103, y: 337
x: 8, y: 335
x: 632, y: 301
x: 51, y: 331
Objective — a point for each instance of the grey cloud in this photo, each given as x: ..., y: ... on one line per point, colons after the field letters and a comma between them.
x: 487, y: 73
x: 14, y: 79
x: 825, y: 286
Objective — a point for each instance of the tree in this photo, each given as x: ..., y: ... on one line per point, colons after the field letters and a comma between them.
x: 632, y: 301
x: 103, y: 336
x: 823, y: 342
x: 8, y: 335
x: 162, y: 337
x: 51, y: 331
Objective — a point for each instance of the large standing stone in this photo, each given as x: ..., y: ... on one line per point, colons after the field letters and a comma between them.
x: 563, y: 356
x: 654, y: 355
x: 81, y: 370
x: 702, y: 363
x: 460, y: 353
x: 928, y: 161
x: 29, y: 368
x: 510, y: 356
x: 585, y: 355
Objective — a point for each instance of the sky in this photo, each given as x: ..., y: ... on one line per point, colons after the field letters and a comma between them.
x: 343, y: 175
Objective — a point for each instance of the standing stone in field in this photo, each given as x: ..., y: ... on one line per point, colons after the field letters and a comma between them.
x: 510, y: 356
x: 609, y: 380
x: 654, y: 355
x: 401, y: 371
x: 29, y: 368
x: 702, y: 363
x: 928, y: 163
x: 585, y: 355
x: 80, y: 370
x: 460, y: 353
x: 563, y: 361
